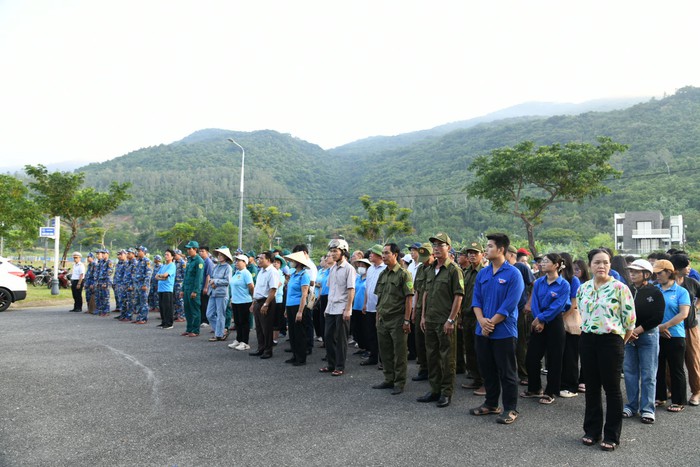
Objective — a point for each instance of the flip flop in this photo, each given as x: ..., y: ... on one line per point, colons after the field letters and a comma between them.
x: 588, y: 440
x: 486, y: 410
x: 325, y: 369
x: 337, y: 373
x: 531, y: 395
x: 675, y: 408
x: 608, y: 446
x: 546, y: 399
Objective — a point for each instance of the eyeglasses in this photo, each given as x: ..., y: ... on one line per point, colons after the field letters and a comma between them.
x: 439, y: 245
x: 544, y: 260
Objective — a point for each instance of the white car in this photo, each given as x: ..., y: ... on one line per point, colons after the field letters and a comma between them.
x: 13, y: 285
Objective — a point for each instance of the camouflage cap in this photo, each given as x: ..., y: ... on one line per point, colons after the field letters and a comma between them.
x: 157, y: 258
x: 511, y: 249
x: 441, y: 237
x: 424, y: 252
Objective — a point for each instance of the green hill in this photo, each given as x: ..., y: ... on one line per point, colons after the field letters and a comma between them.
x: 198, y: 176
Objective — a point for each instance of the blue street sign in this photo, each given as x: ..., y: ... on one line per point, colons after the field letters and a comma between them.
x: 49, y: 232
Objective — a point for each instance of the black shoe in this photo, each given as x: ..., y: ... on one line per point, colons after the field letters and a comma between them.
x: 291, y: 360
x: 255, y: 354
x: 368, y: 362
x: 116, y: 317
x: 358, y: 352
x: 428, y: 397
x: 420, y: 377
x: 265, y: 356
x: 288, y: 350
x: 383, y: 385
x: 72, y: 311
x: 444, y: 401
x: 298, y: 363
x: 160, y: 325
x: 397, y: 390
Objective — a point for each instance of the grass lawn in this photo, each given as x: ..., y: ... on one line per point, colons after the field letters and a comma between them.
x: 41, y: 296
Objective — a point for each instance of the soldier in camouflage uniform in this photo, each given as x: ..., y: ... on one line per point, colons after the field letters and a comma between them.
x: 153, y: 293
x: 116, y: 283
x: 90, y: 281
x: 96, y: 285
x: 142, y: 285
x: 128, y: 297
x: 178, y: 302
x: 104, y: 283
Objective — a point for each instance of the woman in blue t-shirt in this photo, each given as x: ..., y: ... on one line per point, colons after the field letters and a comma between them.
x: 359, y: 301
x: 241, y: 291
x: 298, y: 315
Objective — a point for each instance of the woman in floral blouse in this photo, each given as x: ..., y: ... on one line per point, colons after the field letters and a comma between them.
x: 608, y: 319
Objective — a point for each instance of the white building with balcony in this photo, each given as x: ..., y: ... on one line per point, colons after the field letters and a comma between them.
x: 641, y: 232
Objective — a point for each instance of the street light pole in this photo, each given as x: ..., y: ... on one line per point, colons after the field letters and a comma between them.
x: 240, y: 208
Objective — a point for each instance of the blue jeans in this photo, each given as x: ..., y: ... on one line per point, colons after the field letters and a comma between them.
x: 216, y: 314
x: 640, y: 365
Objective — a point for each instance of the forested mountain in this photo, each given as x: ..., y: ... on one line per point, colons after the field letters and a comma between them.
x: 198, y: 176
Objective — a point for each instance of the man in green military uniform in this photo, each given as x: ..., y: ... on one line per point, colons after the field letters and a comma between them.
x: 444, y: 289
x: 425, y: 258
x: 395, y: 299
x: 475, y: 254
x: 192, y: 289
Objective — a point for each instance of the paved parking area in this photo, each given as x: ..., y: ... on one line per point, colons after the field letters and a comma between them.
x: 78, y: 390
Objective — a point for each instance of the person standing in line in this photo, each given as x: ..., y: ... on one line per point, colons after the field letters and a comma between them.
x: 497, y: 290
x: 166, y: 281
x: 178, y: 295
x: 550, y: 298
x: 524, y: 313
x: 341, y: 292
x: 130, y: 283
x: 208, y: 267
x: 125, y: 286
x: 672, y: 333
x: 278, y: 308
x: 263, y: 302
x: 475, y: 254
x: 692, y: 335
x: 642, y: 350
x: 105, y: 283
x: 217, y: 289
x: 153, y: 293
x: 117, y: 282
x: 143, y: 284
x: 311, y: 300
x: 192, y: 289
x: 241, y: 291
x: 298, y: 313
x: 607, y: 322
x: 425, y: 259
x: 89, y: 283
x: 77, y: 278
x: 394, y: 306
x: 442, y: 301
x: 97, y: 282
x: 369, y: 309
x: 358, y: 336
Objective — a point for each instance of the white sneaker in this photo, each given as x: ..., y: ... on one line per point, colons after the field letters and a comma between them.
x: 567, y: 394
x: 204, y: 325
x: 243, y: 346
x: 234, y: 344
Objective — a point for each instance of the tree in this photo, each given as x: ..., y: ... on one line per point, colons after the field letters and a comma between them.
x: 177, y: 234
x: 384, y: 220
x: 268, y: 219
x: 60, y: 194
x: 525, y: 180
x: 19, y: 215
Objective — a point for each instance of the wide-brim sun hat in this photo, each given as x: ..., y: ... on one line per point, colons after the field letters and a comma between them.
x: 226, y: 252
x: 300, y: 258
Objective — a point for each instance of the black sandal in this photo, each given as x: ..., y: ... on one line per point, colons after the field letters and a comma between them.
x: 588, y: 440
x: 608, y: 446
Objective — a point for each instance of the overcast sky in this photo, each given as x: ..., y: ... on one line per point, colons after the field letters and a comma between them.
x: 94, y: 79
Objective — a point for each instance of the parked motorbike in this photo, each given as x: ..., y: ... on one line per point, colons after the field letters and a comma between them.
x: 63, y: 278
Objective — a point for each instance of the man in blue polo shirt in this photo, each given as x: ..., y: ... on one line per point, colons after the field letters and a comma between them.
x: 497, y: 290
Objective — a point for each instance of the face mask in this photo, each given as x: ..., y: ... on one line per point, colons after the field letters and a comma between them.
x: 361, y: 271
x: 292, y: 265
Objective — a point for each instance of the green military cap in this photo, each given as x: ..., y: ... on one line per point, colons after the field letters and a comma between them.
x: 511, y: 249
x: 473, y: 246
x: 251, y: 254
x: 441, y: 237
x: 424, y: 252
x: 376, y: 249
x: 192, y: 244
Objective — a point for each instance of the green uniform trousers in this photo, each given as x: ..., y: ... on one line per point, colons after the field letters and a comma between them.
x: 393, y: 349
x: 419, y: 336
x: 524, y: 324
x: 193, y: 311
x: 469, y: 325
x: 460, y: 362
x: 440, y: 351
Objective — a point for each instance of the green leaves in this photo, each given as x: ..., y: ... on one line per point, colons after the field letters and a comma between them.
x: 384, y: 220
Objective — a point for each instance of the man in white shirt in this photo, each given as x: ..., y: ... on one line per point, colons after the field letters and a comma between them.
x: 369, y: 311
x: 263, y: 301
x: 341, y: 292
x: 76, y: 282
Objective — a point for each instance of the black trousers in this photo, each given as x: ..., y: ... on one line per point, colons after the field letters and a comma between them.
x: 241, y: 318
x: 496, y: 358
x: 601, y: 362
x: 319, y: 319
x: 549, y: 342
x: 77, y: 295
x: 203, y: 308
x: 297, y: 332
x: 671, y: 352
x: 356, y: 327
x: 369, y: 334
x: 336, y: 340
x: 165, y: 302
x: 569, y: 368
x: 263, y: 327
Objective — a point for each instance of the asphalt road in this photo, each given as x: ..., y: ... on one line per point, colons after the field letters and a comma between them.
x: 78, y: 390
